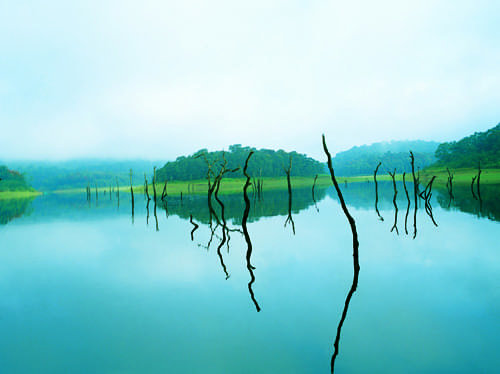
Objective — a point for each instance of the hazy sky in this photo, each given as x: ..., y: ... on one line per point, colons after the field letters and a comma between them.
x: 157, y: 79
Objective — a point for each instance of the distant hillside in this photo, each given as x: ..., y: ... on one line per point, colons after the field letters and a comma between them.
x: 467, y: 152
x: 394, y: 155
x: 49, y: 176
x: 264, y: 162
x: 11, y: 180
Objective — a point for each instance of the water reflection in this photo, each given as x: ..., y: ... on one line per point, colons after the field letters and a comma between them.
x: 14, y: 208
x: 488, y: 206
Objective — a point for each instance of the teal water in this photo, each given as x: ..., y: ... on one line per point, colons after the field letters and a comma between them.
x: 86, y: 288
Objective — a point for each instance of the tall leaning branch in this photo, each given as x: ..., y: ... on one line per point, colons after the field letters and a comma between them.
x: 246, y: 212
x: 355, y: 254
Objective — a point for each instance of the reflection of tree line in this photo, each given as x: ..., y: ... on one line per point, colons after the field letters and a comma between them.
x: 14, y: 208
x: 272, y: 203
x: 463, y: 200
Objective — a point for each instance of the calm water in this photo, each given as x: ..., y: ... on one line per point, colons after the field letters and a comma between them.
x: 86, y: 288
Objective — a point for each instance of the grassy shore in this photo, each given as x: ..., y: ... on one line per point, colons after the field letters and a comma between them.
x: 18, y: 194
x: 197, y: 187
x: 460, y: 176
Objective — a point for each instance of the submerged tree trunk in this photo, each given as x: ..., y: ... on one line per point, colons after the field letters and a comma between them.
x: 146, y: 189
x: 164, y: 192
x: 355, y: 254
x: 132, y: 195
x: 479, y: 180
x: 154, y: 184
x: 118, y: 192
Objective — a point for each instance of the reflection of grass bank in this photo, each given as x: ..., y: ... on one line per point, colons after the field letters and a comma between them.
x: 198, y: 187
x: 18, y: 194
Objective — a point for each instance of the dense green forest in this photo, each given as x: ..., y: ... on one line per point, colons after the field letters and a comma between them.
x: 394, y: 155
x: 264, y: 162
x: 11, y: 180
x: 481, y: 147
x: 56, y: 175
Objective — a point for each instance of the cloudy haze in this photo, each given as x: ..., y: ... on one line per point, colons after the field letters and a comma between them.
x: 157, y: 79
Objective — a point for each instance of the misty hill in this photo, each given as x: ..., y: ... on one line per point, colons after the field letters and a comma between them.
x: 11, y: 180
x: 394, y: 155
x: 54, y: 175
x: 467, y: 152
x: 264, y: 162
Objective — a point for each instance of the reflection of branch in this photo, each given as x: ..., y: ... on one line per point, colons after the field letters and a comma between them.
x: 156, y: 217
x: 195, y: 226
x: 355, y: 254
x: 314, y: 185
x: 479, y: 187
x: 224, y: 228
x: 472, y: 187
x: 415, y: 194
x: 393, y: 176
x: 408, y: 206
x: 245, y: 232
x: 289, y: 218
x: 376, y: 191
x: 426, y: 195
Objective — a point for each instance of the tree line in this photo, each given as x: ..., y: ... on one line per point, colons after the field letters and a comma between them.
x: 265, y: 163
x: 11, y: 180
x: 483, y: 147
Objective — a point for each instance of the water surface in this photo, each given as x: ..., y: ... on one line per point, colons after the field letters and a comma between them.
x: 86, y: 287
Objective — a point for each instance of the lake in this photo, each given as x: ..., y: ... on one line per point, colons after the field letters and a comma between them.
x: 87, y: 288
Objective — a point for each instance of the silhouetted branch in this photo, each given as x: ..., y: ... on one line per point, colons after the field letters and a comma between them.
x: 146, y: 187
x: 164, y: 192
x: 449, y: 184
x: 154, y: 184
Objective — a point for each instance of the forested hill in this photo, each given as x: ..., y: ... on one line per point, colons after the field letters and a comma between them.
x: 394, y: 155
x: 481, y: 147
x: 11, y: 180
x: 57, y: 175
x: 264, y: 162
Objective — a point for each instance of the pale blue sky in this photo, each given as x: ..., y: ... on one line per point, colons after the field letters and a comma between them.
x: 157, y: 79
